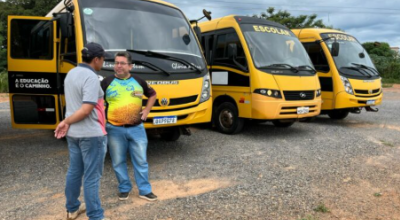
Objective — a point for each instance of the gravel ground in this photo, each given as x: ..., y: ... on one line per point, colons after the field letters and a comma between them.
x: 349, y: 167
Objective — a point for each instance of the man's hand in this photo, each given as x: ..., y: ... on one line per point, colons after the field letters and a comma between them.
x: 144, y: 114
x: 61, y: 130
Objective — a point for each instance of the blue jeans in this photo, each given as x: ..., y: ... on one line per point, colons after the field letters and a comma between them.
x: 132, y: 140
x: 86, y: 160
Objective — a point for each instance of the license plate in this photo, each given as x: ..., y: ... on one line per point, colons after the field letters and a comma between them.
x: 302, y: 110
x: 371, y: 102
x: 164, y: 120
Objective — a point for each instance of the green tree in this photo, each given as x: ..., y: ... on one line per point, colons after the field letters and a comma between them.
x: 379, y: 49
x: 385, y: 60
x: 19, y: 7
x: 286, y: 19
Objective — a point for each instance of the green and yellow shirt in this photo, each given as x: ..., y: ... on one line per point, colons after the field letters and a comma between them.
x: 123, y: 99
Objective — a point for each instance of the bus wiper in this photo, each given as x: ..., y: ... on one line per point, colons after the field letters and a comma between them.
x: 151, y: 66
x: 358, y: 70
x: 366, y: 67
x: 307, y: 66
x: 288, y: 66
x: 150, y: 53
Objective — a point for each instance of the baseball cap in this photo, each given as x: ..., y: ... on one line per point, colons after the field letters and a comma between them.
x: 93, y: 50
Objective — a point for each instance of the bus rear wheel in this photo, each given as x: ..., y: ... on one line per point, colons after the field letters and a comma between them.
x: 227, y: 119
x: 338, y: 114
x: 282, y: 124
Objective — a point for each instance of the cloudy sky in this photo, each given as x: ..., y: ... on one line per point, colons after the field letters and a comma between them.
x: 367, y: 20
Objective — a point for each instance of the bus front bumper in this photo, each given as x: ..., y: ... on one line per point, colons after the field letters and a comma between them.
x: 280, y: 109
x: 345, y: 100
x: 194, y: 115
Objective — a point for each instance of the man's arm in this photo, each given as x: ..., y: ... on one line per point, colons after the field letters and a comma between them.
x: 149, y: 105
x: 83, y: 112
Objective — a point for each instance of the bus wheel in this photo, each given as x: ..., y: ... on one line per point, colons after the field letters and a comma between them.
x: 227, y: 119
x: 282, y: 124
x: 171, y: 134
x: 338, y: 114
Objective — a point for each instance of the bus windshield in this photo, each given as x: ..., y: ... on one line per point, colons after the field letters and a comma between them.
x: 122, y: 25
x: 352, y: 59
x: 273, y: 47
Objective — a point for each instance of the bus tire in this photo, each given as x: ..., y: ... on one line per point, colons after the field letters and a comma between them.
x: 227, y: 119
x: 282, y: 124
x: 338, y: 114
x: 171, y: 134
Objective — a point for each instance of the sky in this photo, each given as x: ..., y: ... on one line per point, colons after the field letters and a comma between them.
x: 367, y: 20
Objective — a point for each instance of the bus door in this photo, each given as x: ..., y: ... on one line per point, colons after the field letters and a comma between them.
x: 229, y: 72
x: 34, y: 85
x: 321, y: 64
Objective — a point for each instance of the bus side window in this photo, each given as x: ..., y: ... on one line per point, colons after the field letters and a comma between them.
x: 31, y: 39
x: 221, y: 55
x: 317, y: 56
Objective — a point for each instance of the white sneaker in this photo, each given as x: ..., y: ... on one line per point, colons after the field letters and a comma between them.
x: 74, y: 215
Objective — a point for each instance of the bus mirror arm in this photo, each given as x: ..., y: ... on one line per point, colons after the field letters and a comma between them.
x: 196, y: 28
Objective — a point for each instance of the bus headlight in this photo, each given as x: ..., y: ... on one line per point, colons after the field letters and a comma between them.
x: 347, y: 85
x: 269, y: 92
x: 318, y: 93
x: 205, y: 91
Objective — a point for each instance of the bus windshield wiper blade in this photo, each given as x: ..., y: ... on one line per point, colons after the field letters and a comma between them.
x: 285, y: 65
x: 150, y: 53
x: 366, y: 67
x: 357, y: 69
x: 151, y: 66
x: 305, y: 67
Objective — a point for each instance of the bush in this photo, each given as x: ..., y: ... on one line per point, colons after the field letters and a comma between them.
x: 3, y: 82
x: 388, y: 67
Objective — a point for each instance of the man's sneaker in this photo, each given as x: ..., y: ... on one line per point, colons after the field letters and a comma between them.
x: 74, y: 215
x: 123, y: 196
x: 149, y: 197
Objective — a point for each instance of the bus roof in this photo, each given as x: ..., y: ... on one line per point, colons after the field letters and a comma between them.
x: 310, y: 31
x: 60, y: 7
x: 241, y: 20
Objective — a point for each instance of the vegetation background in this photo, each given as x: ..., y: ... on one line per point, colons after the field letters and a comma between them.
x: 386, y: 60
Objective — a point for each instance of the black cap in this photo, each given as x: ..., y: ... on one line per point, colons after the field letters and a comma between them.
x: 93, y: 50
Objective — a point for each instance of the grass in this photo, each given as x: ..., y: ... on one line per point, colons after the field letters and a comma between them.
x: 378, y: 194
x: 309, y: 217
x: 387, y: 143
x: 388, y: 82
x: 321, y: 208
x: 3, y: 82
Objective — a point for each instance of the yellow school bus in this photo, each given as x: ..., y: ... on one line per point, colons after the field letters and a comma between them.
x: 165, y: 51
x: 349, y: 79
x: 259, y: 71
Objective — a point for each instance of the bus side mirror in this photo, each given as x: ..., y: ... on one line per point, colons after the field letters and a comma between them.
x: 335, y: 49
x: 197, y: 31
x: 232, y: 51
x: 65, y: 23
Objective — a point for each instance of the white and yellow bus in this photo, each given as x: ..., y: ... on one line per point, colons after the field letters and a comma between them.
x: 349, y: 79
x: 165, y: 51
x: 259, y: 71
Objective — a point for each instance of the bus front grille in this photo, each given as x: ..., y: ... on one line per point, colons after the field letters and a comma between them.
x: 298, y: 95
x: 174, y: 101
x: 292, y: 110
